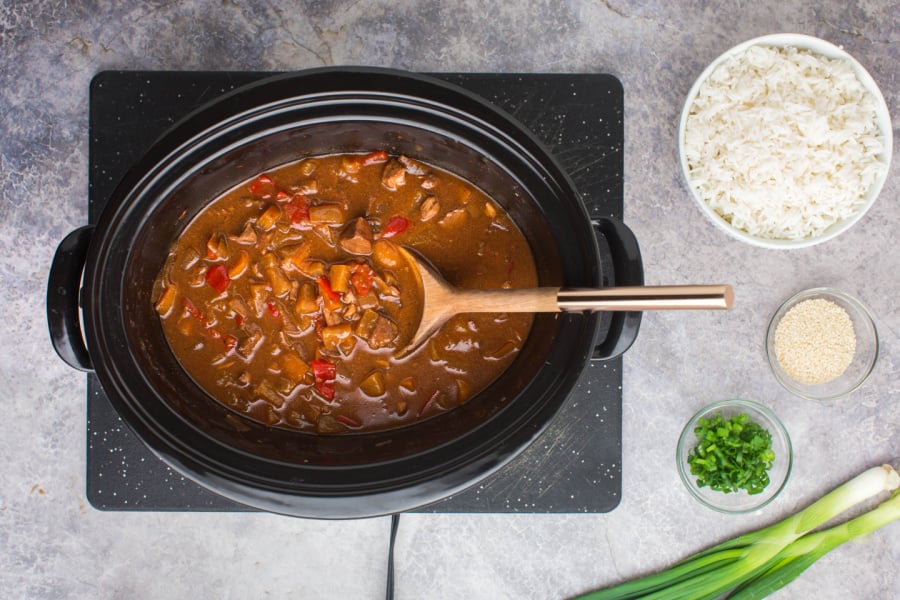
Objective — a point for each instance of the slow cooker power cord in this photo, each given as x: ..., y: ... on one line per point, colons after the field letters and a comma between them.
x: 395, y: 523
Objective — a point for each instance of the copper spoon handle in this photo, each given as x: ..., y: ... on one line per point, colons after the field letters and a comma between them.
x: 547, y: 299
x: 662, y: 297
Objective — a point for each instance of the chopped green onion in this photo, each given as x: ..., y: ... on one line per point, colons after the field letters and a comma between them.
x: 756, y: 564
x: 732, y: 454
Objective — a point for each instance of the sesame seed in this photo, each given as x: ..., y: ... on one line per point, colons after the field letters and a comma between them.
x: 815, y: 341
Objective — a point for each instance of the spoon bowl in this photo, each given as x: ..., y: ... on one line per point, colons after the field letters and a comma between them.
x: 440, y: 300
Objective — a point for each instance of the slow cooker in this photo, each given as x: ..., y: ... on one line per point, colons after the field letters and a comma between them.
x: 101, y: 317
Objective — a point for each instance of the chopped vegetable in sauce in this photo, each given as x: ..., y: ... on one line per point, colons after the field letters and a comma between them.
x: 287, y: 296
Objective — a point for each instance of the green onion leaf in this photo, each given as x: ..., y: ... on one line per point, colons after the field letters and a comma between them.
x: 755, y: 564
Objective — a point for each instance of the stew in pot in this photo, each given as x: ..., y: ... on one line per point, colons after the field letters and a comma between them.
x: 286, y: 299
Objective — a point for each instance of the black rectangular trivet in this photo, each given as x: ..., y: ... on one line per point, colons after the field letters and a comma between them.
x: 575, y: 466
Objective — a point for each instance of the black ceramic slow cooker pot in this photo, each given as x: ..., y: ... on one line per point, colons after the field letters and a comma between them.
x: 278, y: 120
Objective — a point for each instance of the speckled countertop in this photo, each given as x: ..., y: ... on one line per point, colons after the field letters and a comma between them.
x: 53, y: 544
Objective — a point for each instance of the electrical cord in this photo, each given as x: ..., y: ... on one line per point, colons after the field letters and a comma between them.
x: 395, y: 522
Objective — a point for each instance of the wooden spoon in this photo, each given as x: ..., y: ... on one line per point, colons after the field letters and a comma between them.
x: 440, y: 300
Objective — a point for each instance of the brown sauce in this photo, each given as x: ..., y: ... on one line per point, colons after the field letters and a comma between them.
x: 286, y: 298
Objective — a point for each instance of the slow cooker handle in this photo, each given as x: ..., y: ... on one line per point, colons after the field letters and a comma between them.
x: 628, y: 269
x: 63, y: 292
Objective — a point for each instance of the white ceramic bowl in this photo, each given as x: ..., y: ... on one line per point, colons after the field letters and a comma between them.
x: 820, y: 47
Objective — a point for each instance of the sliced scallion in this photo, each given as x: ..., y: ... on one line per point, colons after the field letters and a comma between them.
x: 731, y: 454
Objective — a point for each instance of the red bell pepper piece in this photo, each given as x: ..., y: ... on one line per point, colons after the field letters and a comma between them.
x: 230, y: 342
x: 323, y: 369
x: 273, y: 310
x: 324, y: 372
x: 217, y: 277
x: 434, y: 396
x: 297, y: 209
x: 193, y: 310
x: 263, y: 186
x: 375, y: 158
x: 331, y: 297
x: 395, y: 226
x: 361, y: 278
x: 326, y: 388
x: 348, y: 421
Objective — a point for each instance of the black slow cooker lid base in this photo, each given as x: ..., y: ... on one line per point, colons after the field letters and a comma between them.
x: 573, y: 467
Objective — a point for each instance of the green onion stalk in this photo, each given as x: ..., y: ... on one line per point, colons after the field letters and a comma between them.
x: 755, y: 564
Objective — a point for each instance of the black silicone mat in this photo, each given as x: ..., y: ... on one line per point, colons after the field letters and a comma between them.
x: 575, y: 466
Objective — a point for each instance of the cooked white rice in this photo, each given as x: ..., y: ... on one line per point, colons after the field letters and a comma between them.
x: 783, y: 143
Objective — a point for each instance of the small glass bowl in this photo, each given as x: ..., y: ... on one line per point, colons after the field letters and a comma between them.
x: 738, y: 502
x: 864, y: 358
